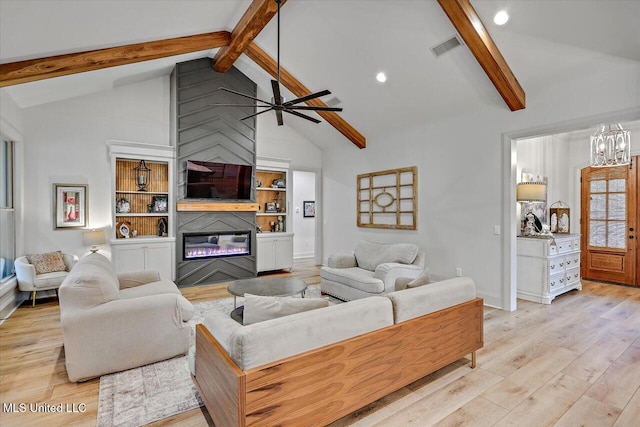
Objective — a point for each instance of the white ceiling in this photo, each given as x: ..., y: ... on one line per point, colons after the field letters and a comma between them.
x: 336, y: 45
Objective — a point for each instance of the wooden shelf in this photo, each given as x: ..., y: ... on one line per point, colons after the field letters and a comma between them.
x: 270, y: 189
x: 271, y: 214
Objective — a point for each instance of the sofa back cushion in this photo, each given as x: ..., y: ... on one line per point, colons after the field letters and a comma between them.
x: 264, y: 342
x: 260, y: 308
x: 91, y: 282
x: 416, y: 302
x: 369, y: 255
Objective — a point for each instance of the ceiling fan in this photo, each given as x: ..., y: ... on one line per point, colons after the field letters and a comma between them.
x: 278, y: 103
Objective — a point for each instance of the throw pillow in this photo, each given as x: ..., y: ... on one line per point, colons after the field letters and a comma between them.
x: 259, y: 308
x: 47, y: 263
x: 371, y: 254
x: 423, y: 279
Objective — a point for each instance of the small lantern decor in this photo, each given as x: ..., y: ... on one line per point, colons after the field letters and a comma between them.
x: 142, y: 175
x: 559, y: 217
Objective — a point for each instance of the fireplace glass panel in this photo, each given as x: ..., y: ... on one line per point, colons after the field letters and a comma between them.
x: 216, y: 244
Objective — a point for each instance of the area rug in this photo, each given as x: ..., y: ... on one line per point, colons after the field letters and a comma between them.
x: 150, y: 393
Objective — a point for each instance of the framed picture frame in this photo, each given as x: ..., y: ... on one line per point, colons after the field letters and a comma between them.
x: 70, y: 206
x: 159, y: 204
x: 309, y: 209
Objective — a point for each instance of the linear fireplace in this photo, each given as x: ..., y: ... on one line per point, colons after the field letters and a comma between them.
x: 215, y: 244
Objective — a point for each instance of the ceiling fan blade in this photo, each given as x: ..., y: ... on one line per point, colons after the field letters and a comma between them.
x: 305, y: 107
x: 240, y: 105
x: 304, y: 116
x: 277, y: 98
x: 279, y: 117
x: 242, y: 94
x: 255, y: 114
x: 307, y: 97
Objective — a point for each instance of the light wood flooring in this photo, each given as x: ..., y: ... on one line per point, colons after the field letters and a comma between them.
x: 575, y: 362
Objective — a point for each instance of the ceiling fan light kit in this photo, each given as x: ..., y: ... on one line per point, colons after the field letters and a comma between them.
x: 278, y: 104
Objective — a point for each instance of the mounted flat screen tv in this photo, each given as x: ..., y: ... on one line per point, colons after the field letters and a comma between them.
x: 219, y: 181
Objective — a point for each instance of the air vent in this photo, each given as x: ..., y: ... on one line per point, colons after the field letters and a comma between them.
x: 332, y: 102
x: 446, y: 46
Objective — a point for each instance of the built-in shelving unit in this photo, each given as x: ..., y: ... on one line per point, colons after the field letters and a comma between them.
x: 275, y: 242
x: 142, y: 236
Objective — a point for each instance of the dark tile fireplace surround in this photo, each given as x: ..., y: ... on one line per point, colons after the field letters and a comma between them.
x: 205, y: 132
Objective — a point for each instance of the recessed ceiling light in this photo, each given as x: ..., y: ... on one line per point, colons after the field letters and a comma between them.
x: 381, y: 77
x: 501, y: 18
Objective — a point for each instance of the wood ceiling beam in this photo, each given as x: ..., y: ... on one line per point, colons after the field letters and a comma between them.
x: 62, y: 65
x: 465, y: 19
x: 267, y: 63
x: 255, y: 18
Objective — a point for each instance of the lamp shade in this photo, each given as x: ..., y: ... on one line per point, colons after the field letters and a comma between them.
x: 531, y: 192
x: 94, y: 238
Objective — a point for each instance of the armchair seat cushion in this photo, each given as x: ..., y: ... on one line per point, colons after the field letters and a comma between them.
x: 49, y: 280
x: 354, y: 277
x: 153, y: 288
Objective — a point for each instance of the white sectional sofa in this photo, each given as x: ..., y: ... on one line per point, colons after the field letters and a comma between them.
x: 314, y: 367
x: 371, y: 269
x: 115, y: 322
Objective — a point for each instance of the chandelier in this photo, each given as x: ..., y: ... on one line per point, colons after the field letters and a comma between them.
x: 610, y: 146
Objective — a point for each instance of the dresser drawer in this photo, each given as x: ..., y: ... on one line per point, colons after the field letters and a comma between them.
x: 564, y: 246
x: 571, y: 261
x: 575, y: 243
x: 556, y: 265
x: 557, y: 281
x: 573, y: 275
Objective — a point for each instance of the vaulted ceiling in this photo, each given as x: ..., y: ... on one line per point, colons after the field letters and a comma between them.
x: 339, y: 45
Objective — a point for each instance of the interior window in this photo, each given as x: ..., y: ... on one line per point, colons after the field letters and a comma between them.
x: 7, y: 221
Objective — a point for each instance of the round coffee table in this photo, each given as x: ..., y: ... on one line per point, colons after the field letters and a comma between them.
x: 266, y: 287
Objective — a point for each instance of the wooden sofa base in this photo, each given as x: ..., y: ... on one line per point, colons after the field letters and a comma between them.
x: 323, y: 385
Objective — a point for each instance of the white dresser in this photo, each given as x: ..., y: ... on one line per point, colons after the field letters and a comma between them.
x: 548, y: 268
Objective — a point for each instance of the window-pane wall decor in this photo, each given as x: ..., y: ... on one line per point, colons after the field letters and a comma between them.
x: 388, y: 199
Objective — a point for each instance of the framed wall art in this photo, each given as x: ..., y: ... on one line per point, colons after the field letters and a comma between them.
x: 70, y: 206
x: 388, y: 199
x: 309, y: 209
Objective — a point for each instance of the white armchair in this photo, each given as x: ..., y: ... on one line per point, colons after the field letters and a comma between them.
x: 30, y: 281
x: 372, y: 269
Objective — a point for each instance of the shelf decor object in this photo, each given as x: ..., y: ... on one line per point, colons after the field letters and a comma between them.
x: 142, y: 173
x: 70, y: 205
x: 559, y: 217
x: 610, y: 146
x: 388, y: 199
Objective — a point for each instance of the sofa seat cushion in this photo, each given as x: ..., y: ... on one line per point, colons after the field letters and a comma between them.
x: 416, y: 302
x: 264, y: 342
x: 369, y: 255
x: 153, y: 288
x: 354, y: 277
x: 49, y: 280
x: 91, y: 282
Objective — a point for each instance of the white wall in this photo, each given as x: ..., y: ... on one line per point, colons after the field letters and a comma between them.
x: 460, y: 172
x: 65, y: 142
x: 549, y: 156
x: 304, y: 188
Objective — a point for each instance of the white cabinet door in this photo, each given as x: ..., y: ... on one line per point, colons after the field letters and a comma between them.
x: 158, y: 257
x: 144, y: 256
x: 266, y: 255
x: 128, y: 258
x: 284, y: 253
x: 274, y: 251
